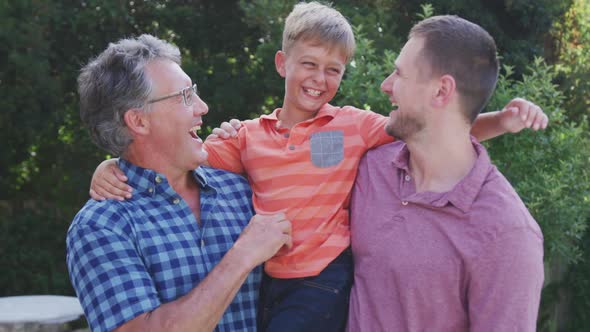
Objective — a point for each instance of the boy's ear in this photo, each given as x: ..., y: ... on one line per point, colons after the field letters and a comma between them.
x: 445, y: 91
x: 137, y: 122
x: 280, y: 63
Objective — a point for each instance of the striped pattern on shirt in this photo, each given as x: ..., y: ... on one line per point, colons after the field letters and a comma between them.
x: 306, y: 172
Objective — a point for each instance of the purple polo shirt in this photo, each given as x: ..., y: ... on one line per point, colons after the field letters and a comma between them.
x: 470, y: 259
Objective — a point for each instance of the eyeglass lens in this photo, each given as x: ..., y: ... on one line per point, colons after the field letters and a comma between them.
x: 188, y: 94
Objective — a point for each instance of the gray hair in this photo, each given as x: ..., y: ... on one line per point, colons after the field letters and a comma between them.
x: 115, y: 82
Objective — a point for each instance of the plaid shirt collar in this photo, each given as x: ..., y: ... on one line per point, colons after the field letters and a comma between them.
x: 145, y: 181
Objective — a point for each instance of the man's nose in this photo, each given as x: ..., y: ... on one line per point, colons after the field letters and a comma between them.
x: 387, y: 84
x: 200, y: 107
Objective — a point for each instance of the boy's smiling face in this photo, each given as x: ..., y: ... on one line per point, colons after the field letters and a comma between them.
x: 313, y: 72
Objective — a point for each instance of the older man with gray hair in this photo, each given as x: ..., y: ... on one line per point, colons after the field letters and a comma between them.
x: 184, y: 253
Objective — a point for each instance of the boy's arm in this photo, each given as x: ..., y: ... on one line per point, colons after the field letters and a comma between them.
x: 514, y: 117
x: 108, y: 182
x: 225, y: 151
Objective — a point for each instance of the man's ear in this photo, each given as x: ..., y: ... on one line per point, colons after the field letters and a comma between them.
x: 137, y: 122
x: 446, y: 91
x: 280, y: 58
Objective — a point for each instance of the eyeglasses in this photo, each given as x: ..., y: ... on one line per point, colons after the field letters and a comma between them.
x: 187, y: 95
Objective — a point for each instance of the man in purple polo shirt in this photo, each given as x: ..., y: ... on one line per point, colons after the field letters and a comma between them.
x: 441, y: 241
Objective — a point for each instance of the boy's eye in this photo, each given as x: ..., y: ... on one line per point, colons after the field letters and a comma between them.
x: 334, y: 70
x: 308, y: 64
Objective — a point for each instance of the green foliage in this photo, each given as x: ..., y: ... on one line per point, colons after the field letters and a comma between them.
x: 361, y: 85
x: 32, y: 254
x: 549, y: 169
x: 572, y: 48
x: 579, y: 288
x: 550, y: 172
x: 427, y: 11
x: 520, y: 27
x: 269, y: 17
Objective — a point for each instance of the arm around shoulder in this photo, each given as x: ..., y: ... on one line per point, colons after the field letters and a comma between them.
x: 226, y: 153
x: 372, y: 128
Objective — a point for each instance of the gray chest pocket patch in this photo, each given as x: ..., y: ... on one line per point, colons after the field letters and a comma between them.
x: 327, y: 148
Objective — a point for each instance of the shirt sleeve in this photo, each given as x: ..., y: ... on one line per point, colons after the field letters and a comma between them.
x: 109, y: 277
x: 226, y: 154
x: 372, y: 129
x: 505, y: 284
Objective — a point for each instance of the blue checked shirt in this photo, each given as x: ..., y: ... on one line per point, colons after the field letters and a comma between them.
x: 128, y: 258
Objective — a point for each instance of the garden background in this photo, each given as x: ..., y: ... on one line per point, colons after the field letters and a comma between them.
x: 47, y: 158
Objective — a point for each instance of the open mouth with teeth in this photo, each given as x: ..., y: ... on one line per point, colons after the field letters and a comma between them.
x: 194, y: 132
x: 313, y: 92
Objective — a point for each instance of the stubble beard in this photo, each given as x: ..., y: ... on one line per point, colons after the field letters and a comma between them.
x: 404, y: 127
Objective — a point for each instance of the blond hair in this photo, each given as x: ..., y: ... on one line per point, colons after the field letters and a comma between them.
x: 318, y: 22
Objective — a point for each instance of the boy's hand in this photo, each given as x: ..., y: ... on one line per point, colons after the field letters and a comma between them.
x: 519, y: 114
x: 108, y: 182
x: 227, y: 129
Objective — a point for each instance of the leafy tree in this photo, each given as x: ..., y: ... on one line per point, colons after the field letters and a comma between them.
x: 572, y: 50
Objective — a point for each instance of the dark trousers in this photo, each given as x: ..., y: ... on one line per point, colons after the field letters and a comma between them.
x: 318, y: 303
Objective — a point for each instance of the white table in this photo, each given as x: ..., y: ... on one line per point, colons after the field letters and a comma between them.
x: 43, y: 309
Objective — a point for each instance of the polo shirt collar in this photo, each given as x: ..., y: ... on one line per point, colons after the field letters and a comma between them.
x: 326, y: 111
x: 144, y: 180
x: 464, y: 193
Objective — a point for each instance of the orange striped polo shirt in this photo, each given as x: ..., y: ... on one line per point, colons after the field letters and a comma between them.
x: 306, y: 172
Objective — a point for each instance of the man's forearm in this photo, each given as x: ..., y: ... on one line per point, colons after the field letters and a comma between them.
x: 200, y: 309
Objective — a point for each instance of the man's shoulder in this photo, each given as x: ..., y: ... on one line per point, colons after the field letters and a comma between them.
x: 220, y: 177
x: 109, y: 215
x: 498, y: 206
x: 380, y: 159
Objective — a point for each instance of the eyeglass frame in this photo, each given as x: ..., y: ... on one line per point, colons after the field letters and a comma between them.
x: 179, y: 93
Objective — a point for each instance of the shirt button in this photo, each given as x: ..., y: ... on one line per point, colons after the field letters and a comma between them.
x: 158, y: 179
x: 291, y: 147
x: 176, y: 200
x: 286, y: 135
x: 150, y: 190
x: 408, y: 178
x: 404, y: 203
x: 202, y: 243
